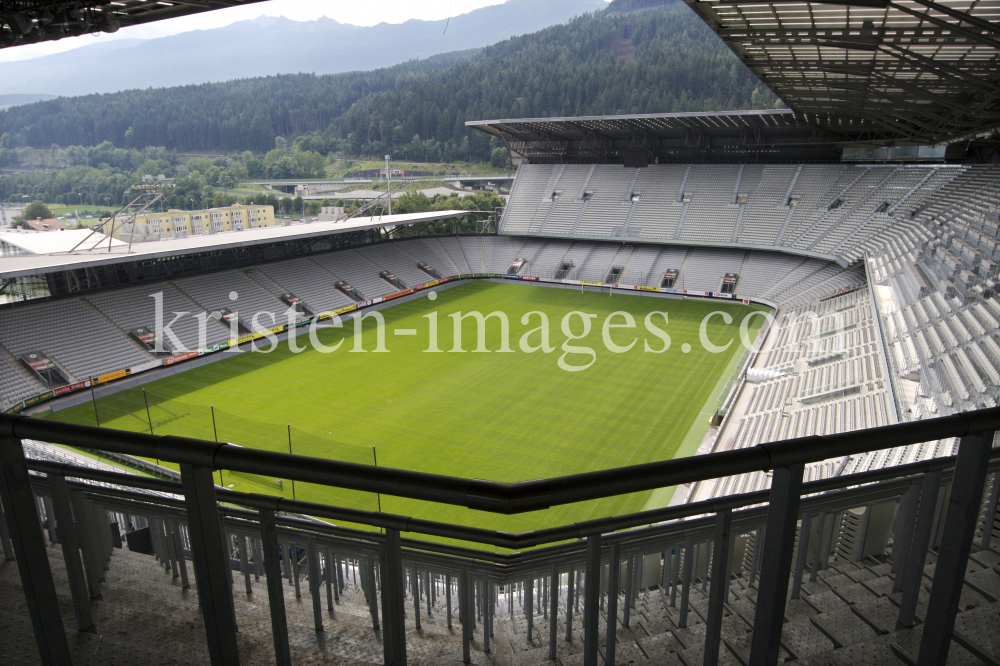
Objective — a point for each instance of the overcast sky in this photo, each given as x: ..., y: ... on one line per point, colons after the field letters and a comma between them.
x: 365, y: 12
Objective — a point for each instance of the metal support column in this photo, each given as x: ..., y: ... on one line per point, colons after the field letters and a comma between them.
x: 328, y: 571
x: 465, y: 614
x: 991, y: 512
x: 614, y: 574
x: 592, y: 600
x: 447, y: 596
x: 28, y: 543
x: 805, y: 527
x: 487, y: 613
x: 241, y: 542
x: 913, y: 572
x: 275, y: 595
x: 529, y: 605
x: 175, y: 534
x: 415, y: 591
x: 393, y: 602
x: 66, y: 532
x: 211, y: 568
x: 629, y: 589
x: 554, y: 612
x: 312, y: 555
x: 5, y: 544
x: 686, y: 579
x: 776, y: 562
x: 961, y: 519
x: 88, y: 544
x: 369, y: 564
x: 570, y: 588
x: 720, y: 586
x: 903, y: 536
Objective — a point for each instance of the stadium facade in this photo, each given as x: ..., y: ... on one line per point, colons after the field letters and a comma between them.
x: 842, y: 509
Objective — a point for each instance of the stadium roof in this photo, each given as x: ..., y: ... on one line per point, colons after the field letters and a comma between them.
x: 52, y: 242
x: 40, y: 264
x: 31, y: 21
x: 927, y: 71
x: 719, y: 134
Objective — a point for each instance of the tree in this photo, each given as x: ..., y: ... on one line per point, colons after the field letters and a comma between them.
x: 498, y: 157
x: 420, y: 107
x: 36, y: 209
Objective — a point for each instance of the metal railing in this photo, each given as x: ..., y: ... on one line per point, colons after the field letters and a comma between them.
x: 594, y: 548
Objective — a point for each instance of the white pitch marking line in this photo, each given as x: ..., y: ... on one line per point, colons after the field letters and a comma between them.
x: 405, y: 331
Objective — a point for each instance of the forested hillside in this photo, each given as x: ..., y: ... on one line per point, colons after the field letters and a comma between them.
x: 654, y: 59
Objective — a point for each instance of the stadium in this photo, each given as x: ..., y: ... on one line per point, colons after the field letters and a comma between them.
x: 714, y: 387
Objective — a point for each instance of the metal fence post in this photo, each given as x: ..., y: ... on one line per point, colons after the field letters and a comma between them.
x: 415, y: 591
x: 913, y: 572
x: 991, y: 512
x: 805, y: 528
x: 554, y: 613
x: 213, y: 575
x: 175, y: 534
x: 8, y: 548
x: 570, y: 588
x: 85, y: 535
x: 328, y: 575
x: 529, y: 605
x: 393, y: 602
x: 275, y: 595
x: 776, y: 562
x: 66, y: 531
x: 629, y: 590
x: 903, y: 536
x: 465, y: 614
x: 961, y: 519
x: 312, y: 554
x: 241, y: 545
x: 614, y: 575
x: 720, y: 586
x: 686, y: 580
x: 28, y: 543
x: 592, y: 600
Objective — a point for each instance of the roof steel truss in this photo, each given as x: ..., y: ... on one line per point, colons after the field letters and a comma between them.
x: 925, y: 70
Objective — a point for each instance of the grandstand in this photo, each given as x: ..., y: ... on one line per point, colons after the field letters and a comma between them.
x: 840, y: 509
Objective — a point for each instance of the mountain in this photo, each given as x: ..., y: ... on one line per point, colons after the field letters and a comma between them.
x: 273, y: 45
x: 658, y: 59
x: 7, y: 101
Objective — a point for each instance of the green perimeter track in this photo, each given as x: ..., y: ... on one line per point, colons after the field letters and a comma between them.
x: 500, y: 416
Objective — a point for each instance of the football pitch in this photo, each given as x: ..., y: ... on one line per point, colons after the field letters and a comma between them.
x: 506, y: 416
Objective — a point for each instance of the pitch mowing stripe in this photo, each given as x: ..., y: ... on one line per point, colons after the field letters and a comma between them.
x: 491, y: 415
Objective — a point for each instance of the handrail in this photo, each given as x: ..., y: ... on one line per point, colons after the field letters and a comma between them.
x: 499, y: 538
x: 497, y: 496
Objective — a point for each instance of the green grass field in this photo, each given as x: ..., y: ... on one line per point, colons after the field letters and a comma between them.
x: 503, y: 416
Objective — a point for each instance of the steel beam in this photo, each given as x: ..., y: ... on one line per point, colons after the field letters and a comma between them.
x: 782, y: 516
x: 720, y: 586
x: 66, y: 531
x: 29, y: 552
x: 213, y: 575
x: 592, y: 600
x: 913, y: 573
x: 393, y: 600
x: 275, y: 595
x: 961, y: 519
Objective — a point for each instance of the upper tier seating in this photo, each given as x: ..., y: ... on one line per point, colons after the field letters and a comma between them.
x: 830, y: 211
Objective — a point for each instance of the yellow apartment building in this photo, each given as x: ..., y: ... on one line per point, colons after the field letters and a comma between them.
x: 183, y: 223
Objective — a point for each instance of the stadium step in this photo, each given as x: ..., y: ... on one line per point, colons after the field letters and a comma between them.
x: 846, y: 616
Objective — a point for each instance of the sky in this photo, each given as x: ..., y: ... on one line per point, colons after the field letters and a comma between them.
x: 353, y: 12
